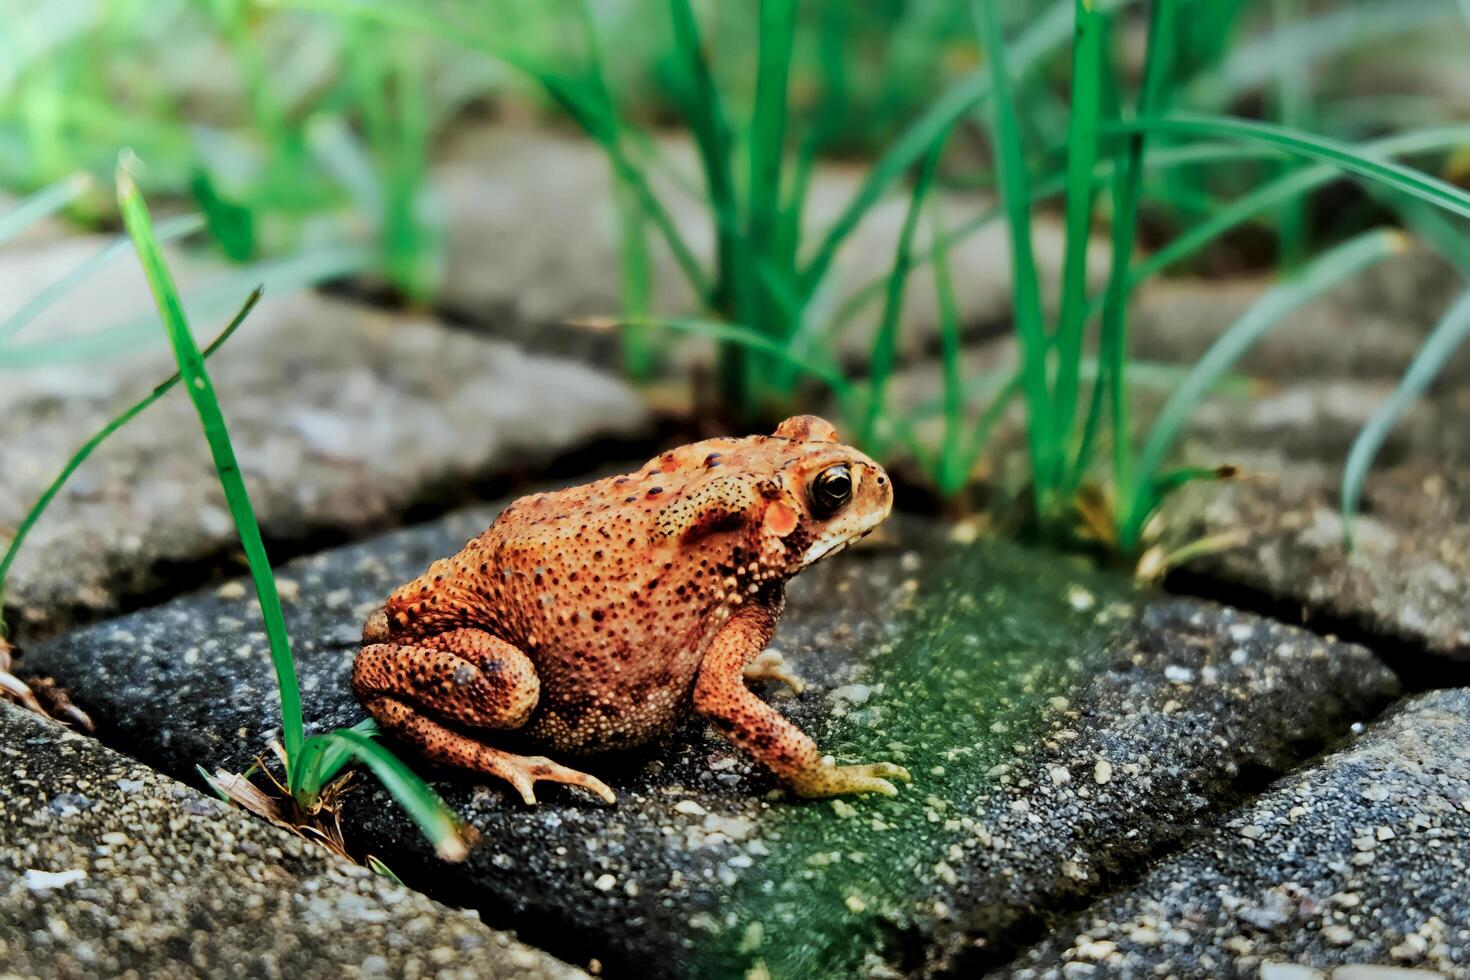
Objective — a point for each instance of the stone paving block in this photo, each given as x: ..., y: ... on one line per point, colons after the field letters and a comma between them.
x: 1406, y: 578
x: 1356, y: 862
x: 344, y: 419
x: 1061, y: 727
x: 108, y: 868
x: 1367, y: 328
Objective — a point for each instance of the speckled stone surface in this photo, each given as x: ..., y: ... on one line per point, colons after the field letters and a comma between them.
x: 1406, y: 579
x: 343, y: 418
x: 1061, y: 727
x: 1361, y: 858
x: 109, y: 869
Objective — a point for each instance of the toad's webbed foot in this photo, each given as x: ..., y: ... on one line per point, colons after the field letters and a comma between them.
x: 829, y: 779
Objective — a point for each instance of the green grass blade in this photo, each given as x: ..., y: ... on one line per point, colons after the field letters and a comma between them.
x: 339, y: 753
x: 1273, y: 194
x: 80, y: 456
x: 1315, y: 38
x: 777, y: 29
x: 1048, y: 33
x: 885, y: 341
x: 1320, y: 275
x: 421, y: 803
x: 1293, y: 106
x: 167, y: 230
x: 1452, y: 330
x: 43, y: 204
x: 278, y: 276
x: 191, y: 367
x: 1082, y: 146
x: 951, y: 471
x: 731, y: 292
x: 1343, y: 156
x: 1112, y: 386
x: 581, y: 101
x: 636, y: 285
x: 1026, y: 290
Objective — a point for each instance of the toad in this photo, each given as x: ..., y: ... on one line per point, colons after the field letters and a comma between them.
x: 593, y: 618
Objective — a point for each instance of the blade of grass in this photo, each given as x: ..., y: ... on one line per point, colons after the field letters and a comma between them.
x: 422, y: 804
x: 191, y: 367
x: 950, y: 475
x: 279, y: 276
x: 80, y: 456
x: 1044, y: 190
x: 1343, y: 156
x: 885, y: 342
x: 1292, y: 102
x: 580, y: 100
x: 1025, y: 286
x: 705, y: 111
x: 167, y: 230
x: 777, y: 30
x: 1318, y: 37
x: 1318, y: 276
x: 43, y: 204
x: 1452, y: 330
x: 636, y: 282
x: 1049, y: 32
x: 1113, y: 343
x: 1082, y: 145
x: 1269, y: 196
x: 339, y: 753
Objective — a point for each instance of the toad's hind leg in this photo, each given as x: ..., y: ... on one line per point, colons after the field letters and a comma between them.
x: 448, y: 747
x: 467, y: 678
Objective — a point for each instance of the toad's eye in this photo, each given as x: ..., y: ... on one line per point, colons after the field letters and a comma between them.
x: 831, y: 490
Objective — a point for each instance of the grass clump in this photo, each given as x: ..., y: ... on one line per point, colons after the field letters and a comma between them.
x: 311, y: 763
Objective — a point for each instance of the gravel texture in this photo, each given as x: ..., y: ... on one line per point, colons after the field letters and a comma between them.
x: 1061, y: 727
x: 1355, y: 864
x: 109, y: 869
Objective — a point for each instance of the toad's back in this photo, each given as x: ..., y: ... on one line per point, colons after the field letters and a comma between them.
x: 611, y: 609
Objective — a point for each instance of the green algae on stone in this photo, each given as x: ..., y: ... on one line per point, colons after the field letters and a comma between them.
x: 989, y: 637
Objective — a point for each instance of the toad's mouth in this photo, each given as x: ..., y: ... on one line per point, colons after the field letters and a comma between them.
x: 828, y: 547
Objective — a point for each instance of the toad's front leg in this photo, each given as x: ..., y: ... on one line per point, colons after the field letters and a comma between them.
x: 721, y: 696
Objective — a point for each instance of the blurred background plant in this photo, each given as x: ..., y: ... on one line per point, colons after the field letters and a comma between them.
x: 1208, y: 135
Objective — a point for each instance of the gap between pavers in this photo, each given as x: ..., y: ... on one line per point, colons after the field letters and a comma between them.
x: 345, y: 420
x: 1061, y: 725
x: 108, y: 868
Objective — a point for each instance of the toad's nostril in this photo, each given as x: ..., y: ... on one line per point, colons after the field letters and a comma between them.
x: 882, y: 480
